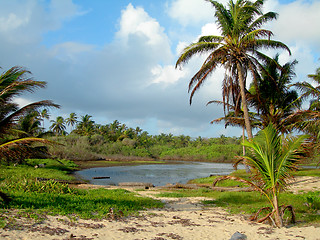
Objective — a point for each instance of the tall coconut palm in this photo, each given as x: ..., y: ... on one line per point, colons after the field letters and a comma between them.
x: 237, y: 49
x: 273, y: 159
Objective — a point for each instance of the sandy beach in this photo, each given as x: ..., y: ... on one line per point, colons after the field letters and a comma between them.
x: 182, y: 218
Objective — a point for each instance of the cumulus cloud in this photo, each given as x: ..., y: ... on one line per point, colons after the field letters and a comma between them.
x: 299, y: 22
x: 190, y: 11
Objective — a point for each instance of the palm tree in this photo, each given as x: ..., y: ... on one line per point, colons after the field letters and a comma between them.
x: 86, y: 125
x: 272, y: 159
x: 72, y: 119
x: 13, y: 83
x: 29, y: 124
x: 44, y: 114
x: 237, y: 49
x: 272, y: 97
x: 308, y: 121
x: 58, y: 126
x: 308, y: 90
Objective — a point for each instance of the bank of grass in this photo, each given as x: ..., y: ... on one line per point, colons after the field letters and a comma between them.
x: 306, y: 205
x: 227, y: 183
x: 242, y: 174
x: 51, y: 197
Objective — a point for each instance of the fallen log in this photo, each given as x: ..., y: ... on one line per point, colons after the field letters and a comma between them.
x: 100, y: 177
x: 135, y: 184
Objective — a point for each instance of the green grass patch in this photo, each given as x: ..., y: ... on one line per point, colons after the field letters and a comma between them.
x: 20, y: 172
x: 308, y: 172
x: 87, y: 204
x: 306, y: 205
x: 225, y: 183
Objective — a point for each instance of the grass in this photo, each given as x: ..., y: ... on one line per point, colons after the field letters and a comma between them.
x: 227, y: 183
x: 242, y: 174
x: 308, y: 172
x: 54, y: 169
x: 51, y: 197
x: 306, y: 205
x: 87, y: 204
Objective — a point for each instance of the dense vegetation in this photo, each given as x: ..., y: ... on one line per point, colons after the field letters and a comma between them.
x: 144, y: 146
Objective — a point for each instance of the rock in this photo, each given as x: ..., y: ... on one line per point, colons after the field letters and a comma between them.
x: 238, y: 236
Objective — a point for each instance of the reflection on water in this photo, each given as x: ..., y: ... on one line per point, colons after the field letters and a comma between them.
x: 158, y: 175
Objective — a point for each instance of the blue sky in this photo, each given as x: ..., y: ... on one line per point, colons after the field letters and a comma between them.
x: 115, y: 59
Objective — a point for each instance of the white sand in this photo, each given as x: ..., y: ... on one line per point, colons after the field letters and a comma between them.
x: 182, y: 218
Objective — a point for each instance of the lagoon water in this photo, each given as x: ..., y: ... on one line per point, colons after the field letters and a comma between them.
x: 157, y: 174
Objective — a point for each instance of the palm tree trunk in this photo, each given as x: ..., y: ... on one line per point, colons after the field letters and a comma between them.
x: 244, y: 101
x: 277, y: 215
x: 243, y: 138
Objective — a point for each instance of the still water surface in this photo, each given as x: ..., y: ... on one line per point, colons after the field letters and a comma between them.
x: 157, y: 174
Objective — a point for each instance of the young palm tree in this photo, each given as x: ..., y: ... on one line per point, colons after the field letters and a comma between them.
x: 237, y: 49
x: 272, y: 159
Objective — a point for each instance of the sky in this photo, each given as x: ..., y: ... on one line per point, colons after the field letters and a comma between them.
x: 115, y: 60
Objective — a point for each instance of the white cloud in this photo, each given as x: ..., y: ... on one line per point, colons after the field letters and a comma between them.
x: 166, y: 75
x: 299, y: 22
x: 210, y: 29
x: 190, y: 12
x: 137, y: 21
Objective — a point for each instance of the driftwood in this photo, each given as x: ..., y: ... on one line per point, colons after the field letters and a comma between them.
x: 135, y: 184
x: 100, y: 177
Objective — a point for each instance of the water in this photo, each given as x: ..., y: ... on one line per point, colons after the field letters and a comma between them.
x: 157, y: 174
